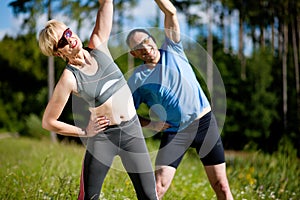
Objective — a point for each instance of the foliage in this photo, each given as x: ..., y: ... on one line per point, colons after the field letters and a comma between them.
x: 38, y: 170
x: 22, y: 81
x: 254, y: 84
x: 262, y: 101
x: 249, y: 99
x: 268, y: 176
x: 32, y: 169
x: 235, y: 87
x: 34, y: 127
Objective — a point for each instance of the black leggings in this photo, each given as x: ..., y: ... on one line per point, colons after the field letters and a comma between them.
x: 127, y: 141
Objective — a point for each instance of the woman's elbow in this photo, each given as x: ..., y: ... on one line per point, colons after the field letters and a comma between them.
x: 46, y: 125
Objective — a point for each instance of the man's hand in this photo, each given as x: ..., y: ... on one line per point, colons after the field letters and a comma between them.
x: 172, y: 28
x: 158, y: 126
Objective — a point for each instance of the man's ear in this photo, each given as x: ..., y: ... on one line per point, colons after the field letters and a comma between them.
x: 153, y: 39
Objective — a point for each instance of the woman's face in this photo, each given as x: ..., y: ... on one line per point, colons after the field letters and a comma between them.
x: 68, y: 44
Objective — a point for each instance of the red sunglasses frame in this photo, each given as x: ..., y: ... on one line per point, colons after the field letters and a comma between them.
x: 63, y: 41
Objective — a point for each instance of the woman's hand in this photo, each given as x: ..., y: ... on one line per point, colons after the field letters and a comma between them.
x: 96, y: 125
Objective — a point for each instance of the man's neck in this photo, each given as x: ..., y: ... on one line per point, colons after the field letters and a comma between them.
x: 150, y: 65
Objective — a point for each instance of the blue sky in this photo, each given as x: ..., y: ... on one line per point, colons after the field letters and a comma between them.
x: 11, y: 24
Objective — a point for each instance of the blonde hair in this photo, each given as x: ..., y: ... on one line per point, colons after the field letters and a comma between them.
x: 48, y: 37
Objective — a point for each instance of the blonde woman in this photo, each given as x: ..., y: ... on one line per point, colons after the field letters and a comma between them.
x: 113, y: 127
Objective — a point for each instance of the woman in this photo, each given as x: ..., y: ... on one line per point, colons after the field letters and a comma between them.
x: 113, y: 128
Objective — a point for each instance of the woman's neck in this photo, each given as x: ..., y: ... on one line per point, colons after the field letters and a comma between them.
x: 80, y: 60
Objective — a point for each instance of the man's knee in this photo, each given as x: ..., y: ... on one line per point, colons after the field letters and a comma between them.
x: 161, y: 189
x: 222, y: 189
x: 164, y: 176
x: 161, y: 184
x: 221, y: 186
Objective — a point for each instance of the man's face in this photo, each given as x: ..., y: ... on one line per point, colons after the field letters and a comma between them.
x: 143, y: 47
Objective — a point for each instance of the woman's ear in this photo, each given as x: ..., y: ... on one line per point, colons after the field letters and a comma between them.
x: 58, y: 54
x: 133, y: 53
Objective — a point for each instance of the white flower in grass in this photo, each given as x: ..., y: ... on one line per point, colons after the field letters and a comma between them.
x: 102, y: 195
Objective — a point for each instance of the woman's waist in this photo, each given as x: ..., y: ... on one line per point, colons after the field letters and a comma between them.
x: 115, y: 112
x: 117, y: 119
x: 124, y: 123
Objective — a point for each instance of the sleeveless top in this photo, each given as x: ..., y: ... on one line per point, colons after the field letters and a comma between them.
x: 97, y: 88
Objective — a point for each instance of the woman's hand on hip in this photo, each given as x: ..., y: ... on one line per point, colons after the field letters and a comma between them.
x: 96, y: 126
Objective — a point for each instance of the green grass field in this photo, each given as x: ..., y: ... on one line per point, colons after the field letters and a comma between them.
x: 34, y: 169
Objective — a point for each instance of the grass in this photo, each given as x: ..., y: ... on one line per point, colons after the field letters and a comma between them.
x: 38, y: 169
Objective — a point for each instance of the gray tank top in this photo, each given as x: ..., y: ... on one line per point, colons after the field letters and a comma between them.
x: 97, y: 88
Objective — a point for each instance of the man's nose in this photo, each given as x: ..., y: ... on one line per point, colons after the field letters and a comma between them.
x: 146, y: 49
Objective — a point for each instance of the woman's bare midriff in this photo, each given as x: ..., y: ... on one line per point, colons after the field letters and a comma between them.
x: 118, y: 108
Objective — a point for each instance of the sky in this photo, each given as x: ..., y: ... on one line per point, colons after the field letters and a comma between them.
x: 8, y: 23
x: 11, y: 25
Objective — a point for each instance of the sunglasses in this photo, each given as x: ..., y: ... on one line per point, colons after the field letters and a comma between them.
x: 63, y: 41
x: 140, y: 45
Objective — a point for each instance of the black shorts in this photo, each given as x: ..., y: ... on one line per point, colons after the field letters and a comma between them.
x: 203, y: 135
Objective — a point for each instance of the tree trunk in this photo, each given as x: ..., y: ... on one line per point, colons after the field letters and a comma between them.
x: 118, y: 24
x: 284, y: 74
x: 51, y: 75
x: 209, y: 71
x: 280, y: 41
x: 157, y: 17
x: 130, y: 61
x: 229, y: 32
x: 296, y: 62
x: 224, y: 32
x: 241, y: 46
x: 50, y: 88
x: 262, y: 37
x: 273, y: 38
x: 298, y: 26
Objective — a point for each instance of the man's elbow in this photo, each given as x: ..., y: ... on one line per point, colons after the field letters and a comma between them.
x: 173, y: 11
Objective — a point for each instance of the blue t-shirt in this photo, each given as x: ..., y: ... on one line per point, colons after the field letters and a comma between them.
x: 171, y: 89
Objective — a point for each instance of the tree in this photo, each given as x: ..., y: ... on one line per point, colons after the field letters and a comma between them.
x: 23, y: 81
x: 241, y: 7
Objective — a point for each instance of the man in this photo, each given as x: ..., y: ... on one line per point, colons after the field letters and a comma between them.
x: 167, y: 84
